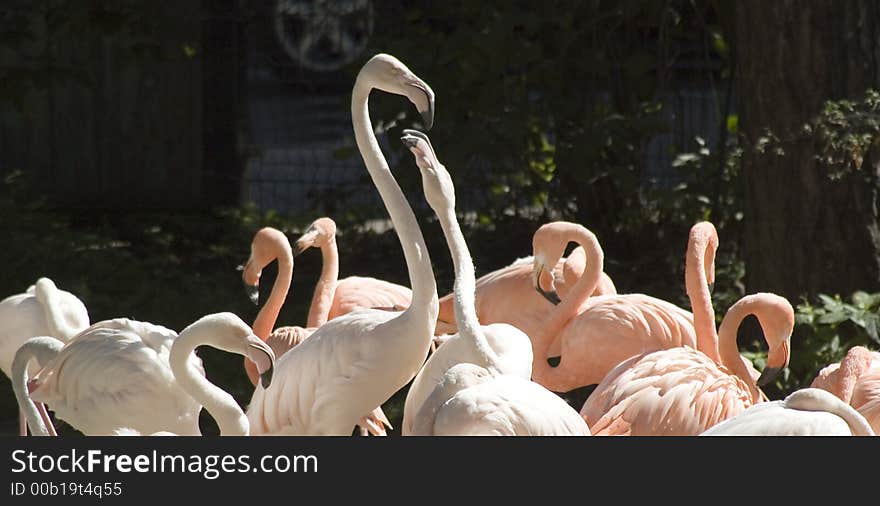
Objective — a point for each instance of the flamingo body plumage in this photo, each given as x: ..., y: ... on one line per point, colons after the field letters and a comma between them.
x: 855, y: 380
x: 29, y: 314
x: 507, y: 295
x: 471, y: 401
x: 116, y: 374
x: 805, y: 412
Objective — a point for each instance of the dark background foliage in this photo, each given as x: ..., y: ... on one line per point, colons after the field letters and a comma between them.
x: 542, y: 114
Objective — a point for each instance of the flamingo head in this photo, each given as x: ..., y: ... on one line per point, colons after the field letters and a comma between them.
x: 319, y: 233
x: 267, y: 245
x: 777, y: 323
x: 548, y: 246
x: 228, y: 332
x: 389, y: 74
x: 436, y: 181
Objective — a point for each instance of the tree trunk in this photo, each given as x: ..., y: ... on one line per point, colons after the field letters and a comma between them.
x: 804, y: 232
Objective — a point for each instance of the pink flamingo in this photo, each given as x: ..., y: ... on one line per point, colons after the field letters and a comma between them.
x: 856, y: 381
x: 507, y: 295
x: 335, y: 297
x: 268, y: 245
x: 590, y: 335
x: 684, y: 391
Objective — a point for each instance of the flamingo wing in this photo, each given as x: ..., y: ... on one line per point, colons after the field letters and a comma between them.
x: 678, y: 391
x: 115, y: 374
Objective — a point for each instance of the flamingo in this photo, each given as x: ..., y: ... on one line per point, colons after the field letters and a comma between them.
x: 335, y: 297
x: 227, y: 332
x: 268, y: 245
x: 469, y: 400
x: 355, y: 362
x: 587, y: 336
x: 507, y: 295
x: 42, y: 310
x: 494, y: 395
x: 118, y: 374
x: 805, y: 412
x: 856, y: 381
x: 682, y: 390
x: 42, y: 349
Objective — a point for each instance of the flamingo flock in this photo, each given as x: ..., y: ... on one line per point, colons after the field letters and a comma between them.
x: 490, y: 358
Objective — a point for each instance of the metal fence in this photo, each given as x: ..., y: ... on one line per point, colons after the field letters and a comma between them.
x: 298, y: 120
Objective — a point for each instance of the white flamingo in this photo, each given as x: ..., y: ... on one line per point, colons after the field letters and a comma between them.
x: 324, y: 385
x: 42, y: 349
x: 477, y: 382
x: 42, y: 310
x: 117, y: 374
x: 805, y: 412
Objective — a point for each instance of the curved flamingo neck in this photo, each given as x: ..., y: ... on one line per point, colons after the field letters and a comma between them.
x: 268, y: 315
x: 854, y: 364
x: 424, y: 304
x: 220, y: 405
x: 579, y: 293
x: 727, y: 346
x: 325, y: 288
x: 43, y: 349
x: 700, y: 253
x: 464, y: 289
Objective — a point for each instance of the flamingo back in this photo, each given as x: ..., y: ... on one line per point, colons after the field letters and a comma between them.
x: 116, y: 374
x: 512, y: 347
x: 674, y: 392
x: 356, y: 292
x: 21, y: 318
x: 612, y: 328
x: 508, y: 405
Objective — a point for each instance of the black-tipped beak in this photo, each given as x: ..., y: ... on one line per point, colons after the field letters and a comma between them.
x: 428, y: 115
x: 409, y: 141
x: 410, y: 138
x: 253, y: 293
x: 264, y: 358
x: 551, y: 295
x: 299, y: 247
x: 768, y: 375
x: 266, y: 378
x: 428, y: 118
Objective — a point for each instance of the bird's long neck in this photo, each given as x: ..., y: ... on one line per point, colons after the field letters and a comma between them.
x: 325, y: 289
x: 853, y: 365
x: 464, y: 290
x: 226, y: 412
x: 42, y: 349
x: 727, y: 347
x: 268, y: 315
x: 579, y: 293
x: 699, y: 254
x: 424, y: 304
x: 50, y: 301
x: 806, y: 399
x: 542, y: 372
